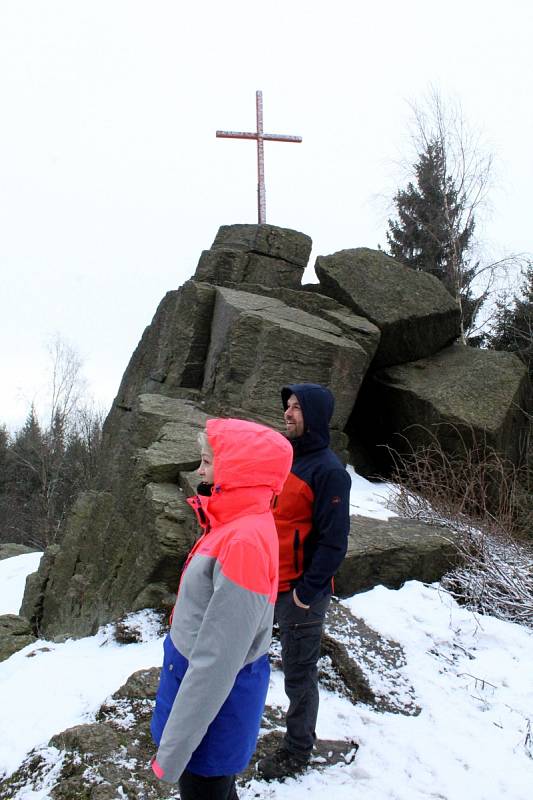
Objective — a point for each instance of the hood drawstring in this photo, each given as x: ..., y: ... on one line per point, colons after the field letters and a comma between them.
x: 196, y: 504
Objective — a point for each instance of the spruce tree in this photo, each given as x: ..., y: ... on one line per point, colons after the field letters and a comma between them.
x: 25, y: 482
x: 4, y: 482
x: 432, y: 232
x: 513, y: 330
x: 4, y: 451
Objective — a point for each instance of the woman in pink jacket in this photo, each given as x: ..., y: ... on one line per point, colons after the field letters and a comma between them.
x: 215, y: 673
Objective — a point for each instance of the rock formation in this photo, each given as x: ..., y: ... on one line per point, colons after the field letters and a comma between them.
x: 414, y: 312
x: 223, y: 344
x: 461, y: 395
x: 15, y: 633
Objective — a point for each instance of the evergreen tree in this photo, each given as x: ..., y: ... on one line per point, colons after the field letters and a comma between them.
x: 432, y: 232
x: 42, y: 469
x: 4, y: 467
x: 420, y: 237
x: 42, y: 472
x: 4, y: 454
x: 25, y: 482
x: 27, y: 448
x: 513, y: 330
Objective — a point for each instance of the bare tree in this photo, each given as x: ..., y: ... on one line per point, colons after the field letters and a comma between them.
x: 54, y: 461
x: 457, y: 170
x: 67, y: 385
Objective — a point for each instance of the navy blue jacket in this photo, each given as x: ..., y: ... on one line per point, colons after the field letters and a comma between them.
x: 312, y: 514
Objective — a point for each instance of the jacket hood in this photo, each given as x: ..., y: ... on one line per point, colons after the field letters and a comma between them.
x: 317, y: 404
x: 247, y: 454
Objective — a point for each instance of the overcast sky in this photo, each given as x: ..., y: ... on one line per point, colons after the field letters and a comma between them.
x: 112, y: 181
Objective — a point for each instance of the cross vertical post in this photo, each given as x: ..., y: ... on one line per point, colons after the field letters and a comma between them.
x: 260, y: 138
x: 261, y: 194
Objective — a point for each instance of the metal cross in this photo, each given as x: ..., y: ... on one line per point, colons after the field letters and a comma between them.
x: 260, y: 138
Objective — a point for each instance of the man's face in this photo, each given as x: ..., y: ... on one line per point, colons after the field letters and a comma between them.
x: 294, y: 418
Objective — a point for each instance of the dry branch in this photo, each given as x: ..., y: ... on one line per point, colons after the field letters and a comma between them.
x: 488, y: 503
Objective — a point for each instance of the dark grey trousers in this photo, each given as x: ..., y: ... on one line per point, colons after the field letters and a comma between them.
x: 196, y: 787
x: 300, y: 632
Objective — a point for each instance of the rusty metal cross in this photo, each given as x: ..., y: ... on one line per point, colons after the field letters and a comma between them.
x: 260, y: 137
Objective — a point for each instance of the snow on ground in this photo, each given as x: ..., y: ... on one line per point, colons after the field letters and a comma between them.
x: 47, y: 687
x: 369, y: 499
x: 472, y: 677
x: 13, y: 572
x: 471, y: 674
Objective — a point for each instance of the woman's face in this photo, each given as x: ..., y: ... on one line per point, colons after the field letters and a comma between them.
x: 206, y: 468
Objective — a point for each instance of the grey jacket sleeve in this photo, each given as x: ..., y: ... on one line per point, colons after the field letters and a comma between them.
x: 225, y: 637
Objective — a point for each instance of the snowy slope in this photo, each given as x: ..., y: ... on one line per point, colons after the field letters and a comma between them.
x: 13, y: 573
x: 472, y: 677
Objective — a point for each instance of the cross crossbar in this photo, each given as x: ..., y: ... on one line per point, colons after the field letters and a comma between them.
x: 272, y: 137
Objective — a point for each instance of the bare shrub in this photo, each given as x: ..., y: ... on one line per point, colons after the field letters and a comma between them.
x: 486, y: 501
x: 470, y: 480
x: 497, y: 576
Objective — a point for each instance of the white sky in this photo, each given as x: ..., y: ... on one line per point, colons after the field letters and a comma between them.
x: 112, y: 181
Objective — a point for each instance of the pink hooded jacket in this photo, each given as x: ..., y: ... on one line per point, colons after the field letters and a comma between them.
x: 222, y: 620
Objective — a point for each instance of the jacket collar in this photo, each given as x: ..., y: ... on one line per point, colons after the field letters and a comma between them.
x: 224, y: 505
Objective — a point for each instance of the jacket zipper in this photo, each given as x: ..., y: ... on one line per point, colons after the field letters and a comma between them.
x: 296, y: 547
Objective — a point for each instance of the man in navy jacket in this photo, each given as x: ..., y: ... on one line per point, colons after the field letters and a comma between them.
x: 312, y: 520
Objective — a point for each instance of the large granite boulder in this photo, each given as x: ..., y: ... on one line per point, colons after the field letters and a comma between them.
x: 262, y: 254
x: 414, y: 312
x: 258, y: 344
x: 168, y: 361
x: 308, y: 299
x: 461, y: 397
x: 35, y: 589
x: 15, y: 633
x: 12, y: 549
x: 391, y: 552
x: 171, y: 353
x: 122, y: 549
